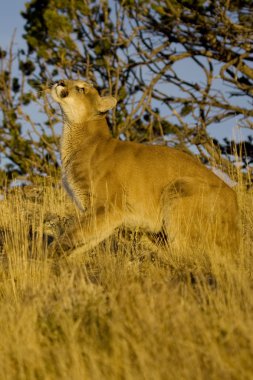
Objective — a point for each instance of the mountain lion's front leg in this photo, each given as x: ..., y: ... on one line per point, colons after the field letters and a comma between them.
x: 88, y: 231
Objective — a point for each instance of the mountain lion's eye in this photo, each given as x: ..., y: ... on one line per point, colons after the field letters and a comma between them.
x: 81, y: 90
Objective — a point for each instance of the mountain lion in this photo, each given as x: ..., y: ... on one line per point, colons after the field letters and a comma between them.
x: 118, y: 183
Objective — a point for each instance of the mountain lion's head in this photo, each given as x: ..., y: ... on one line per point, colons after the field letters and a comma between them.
x: 80, y: 101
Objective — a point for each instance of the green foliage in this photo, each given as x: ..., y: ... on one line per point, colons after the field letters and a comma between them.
x: 186, y: 109
x: 15, y: 85
x: 2, y: 53
x: 27, y: 67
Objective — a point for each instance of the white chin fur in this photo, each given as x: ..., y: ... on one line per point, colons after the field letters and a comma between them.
x: 56, y: 91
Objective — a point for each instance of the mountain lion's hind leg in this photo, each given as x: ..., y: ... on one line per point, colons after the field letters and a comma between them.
x: 200, y: 215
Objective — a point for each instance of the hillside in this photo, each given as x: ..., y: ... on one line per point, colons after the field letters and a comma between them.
x: 122, y: 311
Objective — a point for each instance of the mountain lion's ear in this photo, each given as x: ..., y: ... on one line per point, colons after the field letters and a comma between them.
x: 106, y: 103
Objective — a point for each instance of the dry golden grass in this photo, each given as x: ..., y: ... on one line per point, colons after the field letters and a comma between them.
x: 121, y: 312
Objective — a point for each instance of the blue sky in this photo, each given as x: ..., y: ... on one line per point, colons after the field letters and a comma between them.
x: 11, y: 20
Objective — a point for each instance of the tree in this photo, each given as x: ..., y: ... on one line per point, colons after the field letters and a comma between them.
x: 136, y: 50
x: 217, y: 36
x: 26, y: 147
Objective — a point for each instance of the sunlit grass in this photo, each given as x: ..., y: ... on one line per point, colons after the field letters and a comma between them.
x: 122, y: 311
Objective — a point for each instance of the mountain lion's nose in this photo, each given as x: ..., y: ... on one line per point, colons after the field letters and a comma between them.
x: 61, y: 83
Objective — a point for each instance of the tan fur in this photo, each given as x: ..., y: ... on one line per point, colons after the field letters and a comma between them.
x: 121, y: 183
